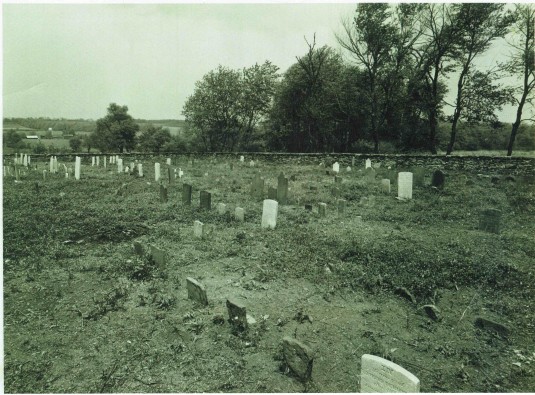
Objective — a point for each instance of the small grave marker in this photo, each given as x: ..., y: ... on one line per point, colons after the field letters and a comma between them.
x: 163, y: 193
x: 251, y: 163
x: 239, y: 214
x: 168, y: 161
x: 242, y: 159
x: 156, y: 172
x: 104, y: 161
x: 237, y: 316
x: 380, y: 375
x: 196, y: 291
x: 489, y: 220
x: 138, y: 248
x: 221, y: 208
x: 385, y: 185
x: 206, y: 200
x: 186, y: 194
x: 368, y: 164
x: 98, y: 161
x: 348, y: 169
x: 404, y: 185
x: 438, y: 179
x: 298, y: 357
x: 282, y: 189
x: 140, y: 170
x: 158, y: 256
x: 257, y: 187
x: 269, y: 214
x: 198, y: 229
x: 92, y: 161
x: 341, y: 206
x: 336, y: 167
x: 322, y: 209
x: 119, y: 165
x: 77, y: 167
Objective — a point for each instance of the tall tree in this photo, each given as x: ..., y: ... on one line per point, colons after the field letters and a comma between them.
x: 479, y: 25
x: 116, y: 131
x: 522, y: 63
x: 154, y: 138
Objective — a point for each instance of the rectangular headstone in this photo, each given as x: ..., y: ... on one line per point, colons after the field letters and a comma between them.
x: 257, y: 187
x: 336, y: 167
x: 168, y: 161
x: 206, y: 200
x: 385, y: 185
x: 368, y: 164
x: 322, y: 209
x: 272, y: 193
x: 140, y: 170
x: 186, y: 194
x: 158, y: 256
x: 341, y: 206
x: 221, y: 208
x: 239, y: 214
x: 104, y: 157
x: 237, y: 316
x: 198, y: 229
x: 119, y: 165
x: 418, y: 176
x: 269, y: 214
x: 369, y: 174
x: 156, y: 172
x: 489, y: 220
x: 77, y: 167
x: 196, y: 291
x: 380, y: 375
x: 92, y: 161
x: 405, y: 185
x: 163, y: 193
x: 98, y: 161
x: 282, y: 189
x: 242, y: 158
x: 438, y: 179
x: 298, y: 357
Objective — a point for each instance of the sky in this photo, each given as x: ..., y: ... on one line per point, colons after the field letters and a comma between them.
x: 73, y: 60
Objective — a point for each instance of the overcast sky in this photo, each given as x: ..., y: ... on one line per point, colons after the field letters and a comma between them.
x: 73, y: 60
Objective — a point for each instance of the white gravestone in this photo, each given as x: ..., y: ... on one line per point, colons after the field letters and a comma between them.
x: 405, y: 185
x: 140, y: 169
x: 92, y: 161
x: 29, y: 157
x: 156, y: 172
x: 385, y: 185
x: 168, y: 161
x: 239, y: 214
x: 336, y: 167
x: 119, y: 165
x: 368, y: 163
x: 25, y: 161
x: 104, y: 162
x: 77, y: 167
x: 198, y: 229
x: 221, y: 208
x: 56, y: 164
x: 242, y: 158
x: 380, y: 375
x: 51, y: 164
x: 180, y: 173
x: 98, y: 161
x: 269, y: 213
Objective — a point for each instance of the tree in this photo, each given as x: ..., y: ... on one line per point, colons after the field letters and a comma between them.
x: 522, y: 63
x: 154, y: 138
x: 479, y: 24
x: 116, y: 131
x: 227, y: 105
x: 75, y: 143
x: 39, y: 148
x: 13, y: 139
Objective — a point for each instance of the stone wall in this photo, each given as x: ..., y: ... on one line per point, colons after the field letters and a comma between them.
x: 476, y: 164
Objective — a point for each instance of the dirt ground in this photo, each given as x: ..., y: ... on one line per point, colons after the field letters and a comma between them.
x: 83, y: 313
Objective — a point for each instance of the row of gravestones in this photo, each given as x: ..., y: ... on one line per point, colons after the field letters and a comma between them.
x: 377, y: 374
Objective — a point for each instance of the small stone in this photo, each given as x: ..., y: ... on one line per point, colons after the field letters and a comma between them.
x: 404, y: 293
x: 492, y: 326
x: 298, y: 357
x: 432, y: 312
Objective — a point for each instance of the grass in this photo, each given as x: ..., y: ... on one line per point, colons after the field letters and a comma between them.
x: 82, y: 313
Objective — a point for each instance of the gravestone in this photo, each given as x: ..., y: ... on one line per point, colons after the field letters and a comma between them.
x: 163, y: 193
x: 98, y: 161
x: 206, y: 200
x: 92, y: 161
x: 282, y: 189
x: 298, y: 357
x: 44, y: 174
x: 77, y: 167
x: 119, y: 165
x: 272, y: 193
x: 198, y: 229
x: 489, y: 220
x: 418, y: 175
x: 242, y: 158
x: 322, y: 209
x: 341, y: 206
x: 168, y: 161
x: 196, y: 291
x: 369, y: 174
x: 56, y: 164
x: 170, y: 177
x: 25, y: 161
x: 335, y: 190
x: 138, y: 248
x: 257, y: 187
x: 368, y: 164
x: 239, y: 214
x: 385, y: 185
x: 348, y: 169
x: 140, y: 170
x: 51, y: 164
x: 336, y: 167
x: 156, y: 172
x: 104, y: 157
x: 353, y: 161
x: 381, y: 375
x: 269, y: 214
x: 237, y: 316
x: 404, y: 185
x: 251, y: 163
x: 438, y: 179
x: 221, y: 208
x: 186, y: 194
x: 158, y: 256
x: 127, y: 169
x: 180, y: 173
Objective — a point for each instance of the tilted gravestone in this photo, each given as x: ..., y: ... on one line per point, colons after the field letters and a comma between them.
x: 186, y: 194
x: 298, y: 357
x: 438, y: 179
x: 237, y: 316
x: 269, y: 214
x: 272, y: 193
x: 282, y: 189
x: 490, y: 220
x: 380, y: 375
x: 257, y: 187
x: 206, y: 200
x: 196, y: 291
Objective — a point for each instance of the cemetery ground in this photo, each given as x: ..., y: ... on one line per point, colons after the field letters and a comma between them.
x: 84, y: 313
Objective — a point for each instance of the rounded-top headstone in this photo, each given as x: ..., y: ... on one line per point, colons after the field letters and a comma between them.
x: 380, y: 375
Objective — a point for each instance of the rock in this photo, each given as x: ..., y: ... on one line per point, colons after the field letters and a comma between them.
x: 298, y: 357
x: 404, y: 293
x: 491, y: 326
x: 432, y: 311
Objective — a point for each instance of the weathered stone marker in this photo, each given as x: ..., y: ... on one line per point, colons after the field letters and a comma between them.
x: 163, y: 193
x: 369, y: 174
x: 98, y: 161
x: 418, y: 176
x: 140, y: 170
x: 104, y: 161
x: 385, y: 185
x: 77, y: 167
x: 322, y: 209
x: 336, y: 167
x: 168, y: 161
x: 282, y: 189
x: 257, y: 187
x: 269, y: 214
x: 156, y: 172
x: 196, y: 291
x: 119, y: 165
x: 237, y: 316
x: 221, y: 208
x: 405, y: 185
x: 272, y: 193
x: 239, y: 214
x: 380, y: 375
x: 158, y: 256
x: 438, y: 179
x: 242, y: 158
x: 489, y: 220
x: 368, y: 164
x: 198, y: 229
x: 186, y: 194
x: 206, y: 200
x: 341, y: 206
x: 298, y: 357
